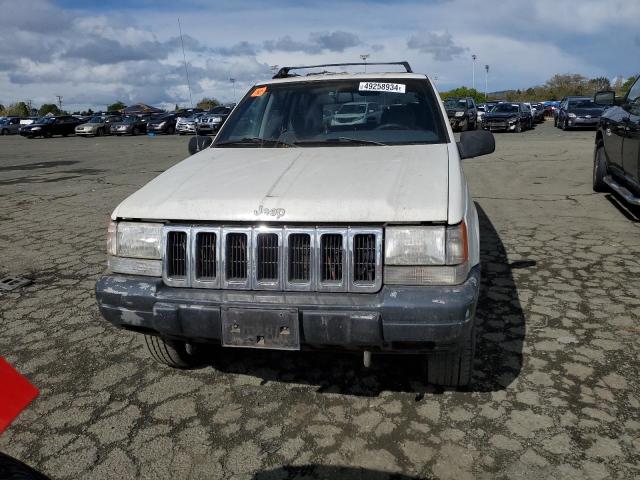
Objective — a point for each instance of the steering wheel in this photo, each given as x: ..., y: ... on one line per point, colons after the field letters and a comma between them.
x: 392, y: 126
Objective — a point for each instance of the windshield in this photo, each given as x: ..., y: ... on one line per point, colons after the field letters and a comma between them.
x: 582, y: 103
x: 220, y: 110
x: 455, y: 103
x: 46, y: 120
x: 312, y: 113
x: 96, y: 120
x: 130, y: 120
x: 505, y: 108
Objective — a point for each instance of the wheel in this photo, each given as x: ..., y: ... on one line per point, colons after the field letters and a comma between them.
x: 134, y: 132
x: 65, y: 134
x: 99, y: 132
x: 599, y: 169
x: 47, y: 135
x: 4, y: 132
x: 565, y: 125
x: 518, y: 128
x: 453, y: 369
x: 172, y: 352
x: 464, y: 125
x: 555, y: 122
x: 171, y: 130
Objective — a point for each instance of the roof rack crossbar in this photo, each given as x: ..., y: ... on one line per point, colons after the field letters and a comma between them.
x: 284, y: 71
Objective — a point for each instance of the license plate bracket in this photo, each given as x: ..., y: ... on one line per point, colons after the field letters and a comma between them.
x: 272, y: 329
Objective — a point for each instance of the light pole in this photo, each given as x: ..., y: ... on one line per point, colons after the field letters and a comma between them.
x: 233, y: 82
x: 486, y: 81
x: 59, y: 102
x: 364, y: 59
x: 474, y: 56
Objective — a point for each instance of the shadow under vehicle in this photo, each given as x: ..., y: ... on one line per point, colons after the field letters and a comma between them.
x: 616, y: 160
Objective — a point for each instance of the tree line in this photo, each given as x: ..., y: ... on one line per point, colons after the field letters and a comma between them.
x: 556, y: 88
x: 21, y: 109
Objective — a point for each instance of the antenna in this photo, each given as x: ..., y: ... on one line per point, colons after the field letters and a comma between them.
x: 186, y: 71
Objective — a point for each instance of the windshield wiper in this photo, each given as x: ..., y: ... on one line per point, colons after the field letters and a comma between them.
x: 355, y: 140
x: 256, y: 141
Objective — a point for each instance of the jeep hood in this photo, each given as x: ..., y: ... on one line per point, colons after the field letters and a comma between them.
x: 327, y: 184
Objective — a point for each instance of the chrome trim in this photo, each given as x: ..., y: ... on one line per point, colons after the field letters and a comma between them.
x: 332, y: 286
x: 236, y: 284
x: 193, y: 253
x: 300, y: 286
x: 172, y: 282
x: 255, y: 283
x: 365, y: 286
x: 283, y: 283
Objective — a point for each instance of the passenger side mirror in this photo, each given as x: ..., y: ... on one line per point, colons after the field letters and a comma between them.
x: 605, y: 98
x: 475, y: 143
x: 199, y: 143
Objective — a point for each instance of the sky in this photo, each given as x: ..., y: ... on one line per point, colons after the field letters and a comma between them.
x: 95, y: 53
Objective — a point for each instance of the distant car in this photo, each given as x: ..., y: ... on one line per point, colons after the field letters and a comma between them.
x: 508, y: 117
x: 132, y: 125
x: 162, y: 124
x: 97, y: 126
x: 213, y: 120
x: 9, y: 125
x: 481, y: 112
x: 616, y: 163
x: 187, y: 126
x: 356, y: 113
x: 578, y: 112
x: 47, y: 127
x: 556, y: 110
x: 462, y: 113
x: 538, y: 114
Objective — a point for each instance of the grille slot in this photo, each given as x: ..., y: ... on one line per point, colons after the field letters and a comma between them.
x: 364, y: 258
x: 206, y: 256
x: 177, y: 254
x: 268, y: 257
x: 236, y: 257
x: 299, y: 258
x: 331, y: 258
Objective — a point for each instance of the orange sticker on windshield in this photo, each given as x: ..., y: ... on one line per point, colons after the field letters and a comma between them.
x: 258, y: 92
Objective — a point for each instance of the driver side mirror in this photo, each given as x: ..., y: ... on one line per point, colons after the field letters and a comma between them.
x: 605, y: 98
x: 475, y: 143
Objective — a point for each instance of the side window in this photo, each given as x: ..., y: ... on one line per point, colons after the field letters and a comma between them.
x: 472, y: 104
x: 633, y: 98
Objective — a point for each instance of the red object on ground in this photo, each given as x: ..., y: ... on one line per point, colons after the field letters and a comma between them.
x: 16, y: 392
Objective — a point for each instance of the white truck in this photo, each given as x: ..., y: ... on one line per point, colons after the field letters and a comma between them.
x: 293, y: 232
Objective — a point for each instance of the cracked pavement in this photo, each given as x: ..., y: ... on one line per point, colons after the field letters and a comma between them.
x: 555, y: 394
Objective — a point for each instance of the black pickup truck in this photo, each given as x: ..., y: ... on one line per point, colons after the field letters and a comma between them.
x: 616, y: 161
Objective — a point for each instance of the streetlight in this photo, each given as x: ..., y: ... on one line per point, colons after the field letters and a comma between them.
x: 486, y: 81
x: 59, y: 102
x: 364, y: 59
x: 233, y: 82
x: 474, y: 56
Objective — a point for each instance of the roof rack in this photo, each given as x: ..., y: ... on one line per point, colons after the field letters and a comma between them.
x: 284, y: 71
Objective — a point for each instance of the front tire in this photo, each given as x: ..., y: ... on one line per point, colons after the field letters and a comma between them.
x: 565, y: 125
x: 518, y: 128
x: 453, y: 369
x: 172, y: 353
x: 4, y: 132
x: 599, y: 169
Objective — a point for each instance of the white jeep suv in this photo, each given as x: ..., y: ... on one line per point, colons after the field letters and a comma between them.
x: 291, y: 231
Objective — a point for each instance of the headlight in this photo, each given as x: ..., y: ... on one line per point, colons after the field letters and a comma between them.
x: 459, y: 114
x: 36, y: 128
x: 513, y: 120
x: 216, y: 119
x: 162, y: 124
x: 135, y: 240
x: 426, y: 255
x: 135, y: 248
x: 571, y: 115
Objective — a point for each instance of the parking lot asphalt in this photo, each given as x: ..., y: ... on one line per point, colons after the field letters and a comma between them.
x: 556, y: 389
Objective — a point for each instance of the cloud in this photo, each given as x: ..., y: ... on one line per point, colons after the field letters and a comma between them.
x: 107, y: 51
x: 439, y: 45
x: 337, y: 41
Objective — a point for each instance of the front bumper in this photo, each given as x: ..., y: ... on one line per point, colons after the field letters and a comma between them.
x: 398, y: 318
x: 583, y: 122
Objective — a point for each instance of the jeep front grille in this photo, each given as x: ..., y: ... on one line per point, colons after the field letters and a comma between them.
x: 264, y: 258
x: 177, y: 254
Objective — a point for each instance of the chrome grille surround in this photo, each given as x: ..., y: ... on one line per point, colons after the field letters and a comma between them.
x: 316, y: 261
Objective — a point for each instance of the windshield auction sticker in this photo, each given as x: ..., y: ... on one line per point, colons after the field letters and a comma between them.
x: 382, y: 87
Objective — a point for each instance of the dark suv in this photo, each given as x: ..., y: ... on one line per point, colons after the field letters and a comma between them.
x: 47, y: 127
x: 616, y: 162
x: 462, y: 113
